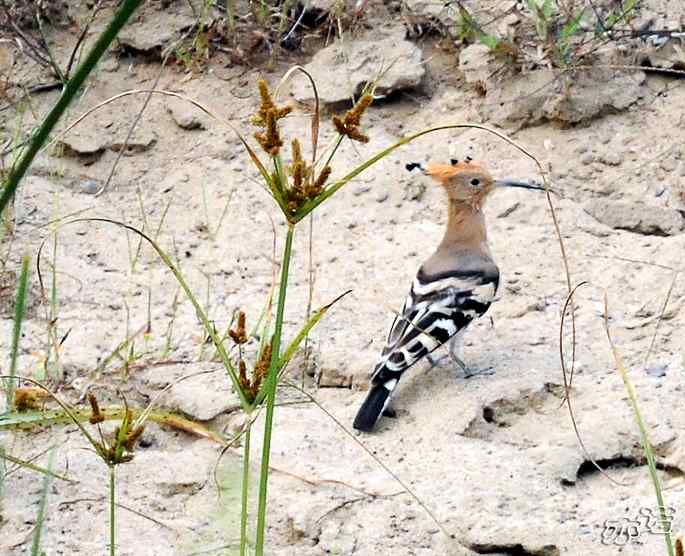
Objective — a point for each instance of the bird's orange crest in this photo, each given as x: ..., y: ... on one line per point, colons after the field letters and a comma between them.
x: 444, y: 172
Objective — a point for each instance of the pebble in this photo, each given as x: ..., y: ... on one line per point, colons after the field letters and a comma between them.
x: 587, y: 158
x: 361, y: 189
x: 90, y: 187
x: 382, y: 196
x: 657, y: 371
x: 668, y: 164
x: 613, y: 158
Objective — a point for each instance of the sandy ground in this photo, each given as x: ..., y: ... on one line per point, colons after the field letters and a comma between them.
x: 493, y: 458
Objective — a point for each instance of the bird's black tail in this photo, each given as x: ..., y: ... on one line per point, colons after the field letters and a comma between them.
x: 373, y: 406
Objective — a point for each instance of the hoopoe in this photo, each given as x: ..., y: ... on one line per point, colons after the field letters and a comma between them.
x: 455, y: 285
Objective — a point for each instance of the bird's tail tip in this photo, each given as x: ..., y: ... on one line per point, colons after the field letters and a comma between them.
x: 372, y: 408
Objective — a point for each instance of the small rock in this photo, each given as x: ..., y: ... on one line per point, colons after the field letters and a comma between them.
x: 324, y: 5
x: 203, y: 397
x: 657, y: 371
x: 508, y: 21
x: 613, y: 158
x: 332, y: 377
x: 413, y: 191
x: 382, y: 196
x: 668, y: 164
x: 342, y: 70
x: 477, y: 63
x: 185, y: 115
x: 84, y: 142
x: 670, y: 55
x: 428, y: 13
x: 360, y: 189
x: 141, y: 140
x: 150, y: 34
x: 541, y: 96
x: 90, y: 187
x: 634, y: 217
x: 110, y: 64
x: 587, y: 158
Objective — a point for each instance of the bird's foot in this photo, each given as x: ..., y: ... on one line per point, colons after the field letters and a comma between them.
x: 470, y: 372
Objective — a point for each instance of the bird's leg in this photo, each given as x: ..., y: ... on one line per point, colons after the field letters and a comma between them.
x: 456, y: 354
x: 434, y: 361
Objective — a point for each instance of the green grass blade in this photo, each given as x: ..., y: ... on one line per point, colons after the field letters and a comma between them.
x: 15, y: 421
x: 175, y: 270
x: 270, y: 388
x: 70, y: 91
x: 245, y: 489
x: 112, y: 510
x: 309, y: 206
x: 3, y: 474
x: 295, y: 343
x: 568, y: 30
x: 33, y: 467
x: 644, y: 435
x: 19, y: 311
x: 40, y: 518
x: 302, y: 334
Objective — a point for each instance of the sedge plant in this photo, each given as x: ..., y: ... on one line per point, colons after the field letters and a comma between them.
x: 298, y: 185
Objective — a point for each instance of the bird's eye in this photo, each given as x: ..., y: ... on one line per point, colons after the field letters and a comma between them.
x: 475, y: 182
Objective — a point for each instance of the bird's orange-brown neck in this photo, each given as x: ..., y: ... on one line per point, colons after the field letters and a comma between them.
x: 465, y: 227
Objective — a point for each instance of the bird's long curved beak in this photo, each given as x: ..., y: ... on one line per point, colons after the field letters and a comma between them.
x: 519, y: 183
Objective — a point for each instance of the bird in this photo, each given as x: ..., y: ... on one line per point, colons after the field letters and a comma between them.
x: 454, y: 286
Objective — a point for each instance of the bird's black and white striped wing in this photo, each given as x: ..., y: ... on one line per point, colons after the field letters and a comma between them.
x: 437, y: 308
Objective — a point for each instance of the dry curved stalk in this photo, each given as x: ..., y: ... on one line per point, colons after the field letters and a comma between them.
x: 228, y: 366
x: 316, y: 116
x: 567, y: 389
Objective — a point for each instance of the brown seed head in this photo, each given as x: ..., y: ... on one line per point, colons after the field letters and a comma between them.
x: 239, y: 335
x: 242, y: 376
x: 267, y: 103
x: 96, y: 416
x: 28, y: 398
x: 348, y: 125
x: 317, y: 187
x: 261, y: 369
x: 133, y: 437
x: 267, y: 116
x: 298, y: 166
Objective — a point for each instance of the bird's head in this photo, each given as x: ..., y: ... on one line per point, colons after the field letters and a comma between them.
x: 469, y: 183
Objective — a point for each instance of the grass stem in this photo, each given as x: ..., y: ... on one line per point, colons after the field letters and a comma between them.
x: 112, y: 511
x: 271, y: 384
x: 19, y: 310
x: 245, y: 488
